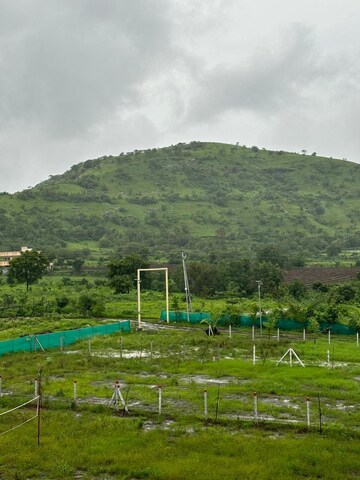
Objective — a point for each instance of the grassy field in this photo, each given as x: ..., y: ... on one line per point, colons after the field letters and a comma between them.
x: 90, y: 437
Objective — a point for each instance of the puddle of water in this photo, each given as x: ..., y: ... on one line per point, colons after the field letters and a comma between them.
x: 115, y: 354
x: 280, y: 402
x: 342, y: 407
x: 205, y: 380
x: 166, y: 425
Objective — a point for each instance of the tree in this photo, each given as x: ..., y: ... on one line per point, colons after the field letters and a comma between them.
x: 29, y: 267
x: 121, y: 283
x: 122, y: 273
x: 271, y: 275
x: 297, y: 289
x: 272, y: 254
x: 77, y: 264
x: 313, y: 328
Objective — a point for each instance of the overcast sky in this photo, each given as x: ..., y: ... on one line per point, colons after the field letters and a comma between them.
x: 84, y: 78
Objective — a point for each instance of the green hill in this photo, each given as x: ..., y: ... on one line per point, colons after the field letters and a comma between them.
x: 198, y: 197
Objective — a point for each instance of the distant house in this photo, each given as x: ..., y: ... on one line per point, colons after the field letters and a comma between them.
x: 6, y: 257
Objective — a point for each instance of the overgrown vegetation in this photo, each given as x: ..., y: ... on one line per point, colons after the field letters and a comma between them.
x: 213, y: 200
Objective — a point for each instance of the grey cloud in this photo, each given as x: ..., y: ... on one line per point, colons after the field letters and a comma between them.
x: 267, y: 82
x: 78, y: 62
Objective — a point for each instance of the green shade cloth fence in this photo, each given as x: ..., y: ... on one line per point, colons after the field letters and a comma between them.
x: 31, y: 343
x: 246, y: 321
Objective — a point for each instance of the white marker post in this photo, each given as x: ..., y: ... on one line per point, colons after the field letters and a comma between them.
x: 308, y: 412
x: 205, y: 404
x: 75, y: 391
x: 329, y: 337
x: 255, y: 407
x: 253, y: 333
x: 229, y: 331
x: 160, y: 399
x: 357, y: 338
x: 278, y: 335
x: 254, y: 354
x: 304, y: 334
x: 36, y: 387
x: 328, y: 358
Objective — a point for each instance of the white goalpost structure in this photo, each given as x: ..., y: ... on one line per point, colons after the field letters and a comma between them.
x: 139, y: 290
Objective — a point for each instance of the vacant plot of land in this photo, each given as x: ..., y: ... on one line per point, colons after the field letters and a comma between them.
x: 186, y: 408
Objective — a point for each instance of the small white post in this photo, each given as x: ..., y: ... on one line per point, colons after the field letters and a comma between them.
x: 205, y: 404
x: 253, y: 332
x: 160, y: 399
x: 255, y: 407
x: 308, y: 412
x: 254, y: 354
x: 290, y: 354
x: 75, y: 391
x: 0, y: 386
x: 278, y: 335
x: 36, y: 389
x: 229, y: 331
x: 357, y: 338
x: 138, y: 298
x: 304, y: 334
x: 328, y: 357
x: 329, y: 337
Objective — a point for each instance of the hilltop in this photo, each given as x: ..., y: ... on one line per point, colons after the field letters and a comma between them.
x: 209, y: 199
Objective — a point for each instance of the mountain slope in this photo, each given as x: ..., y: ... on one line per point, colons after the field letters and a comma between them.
x: 201, y: 197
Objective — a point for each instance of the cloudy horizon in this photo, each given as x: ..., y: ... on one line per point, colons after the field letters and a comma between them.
x: 89, y: 78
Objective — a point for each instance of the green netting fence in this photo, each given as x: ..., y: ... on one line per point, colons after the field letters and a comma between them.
x: 244, y: 320
x: 31, y: 343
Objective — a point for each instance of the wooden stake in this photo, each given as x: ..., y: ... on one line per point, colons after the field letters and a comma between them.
x: 320, y: 415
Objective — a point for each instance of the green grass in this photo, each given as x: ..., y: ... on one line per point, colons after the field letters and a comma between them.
x: 185, y: 194
x: 91, y: 440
